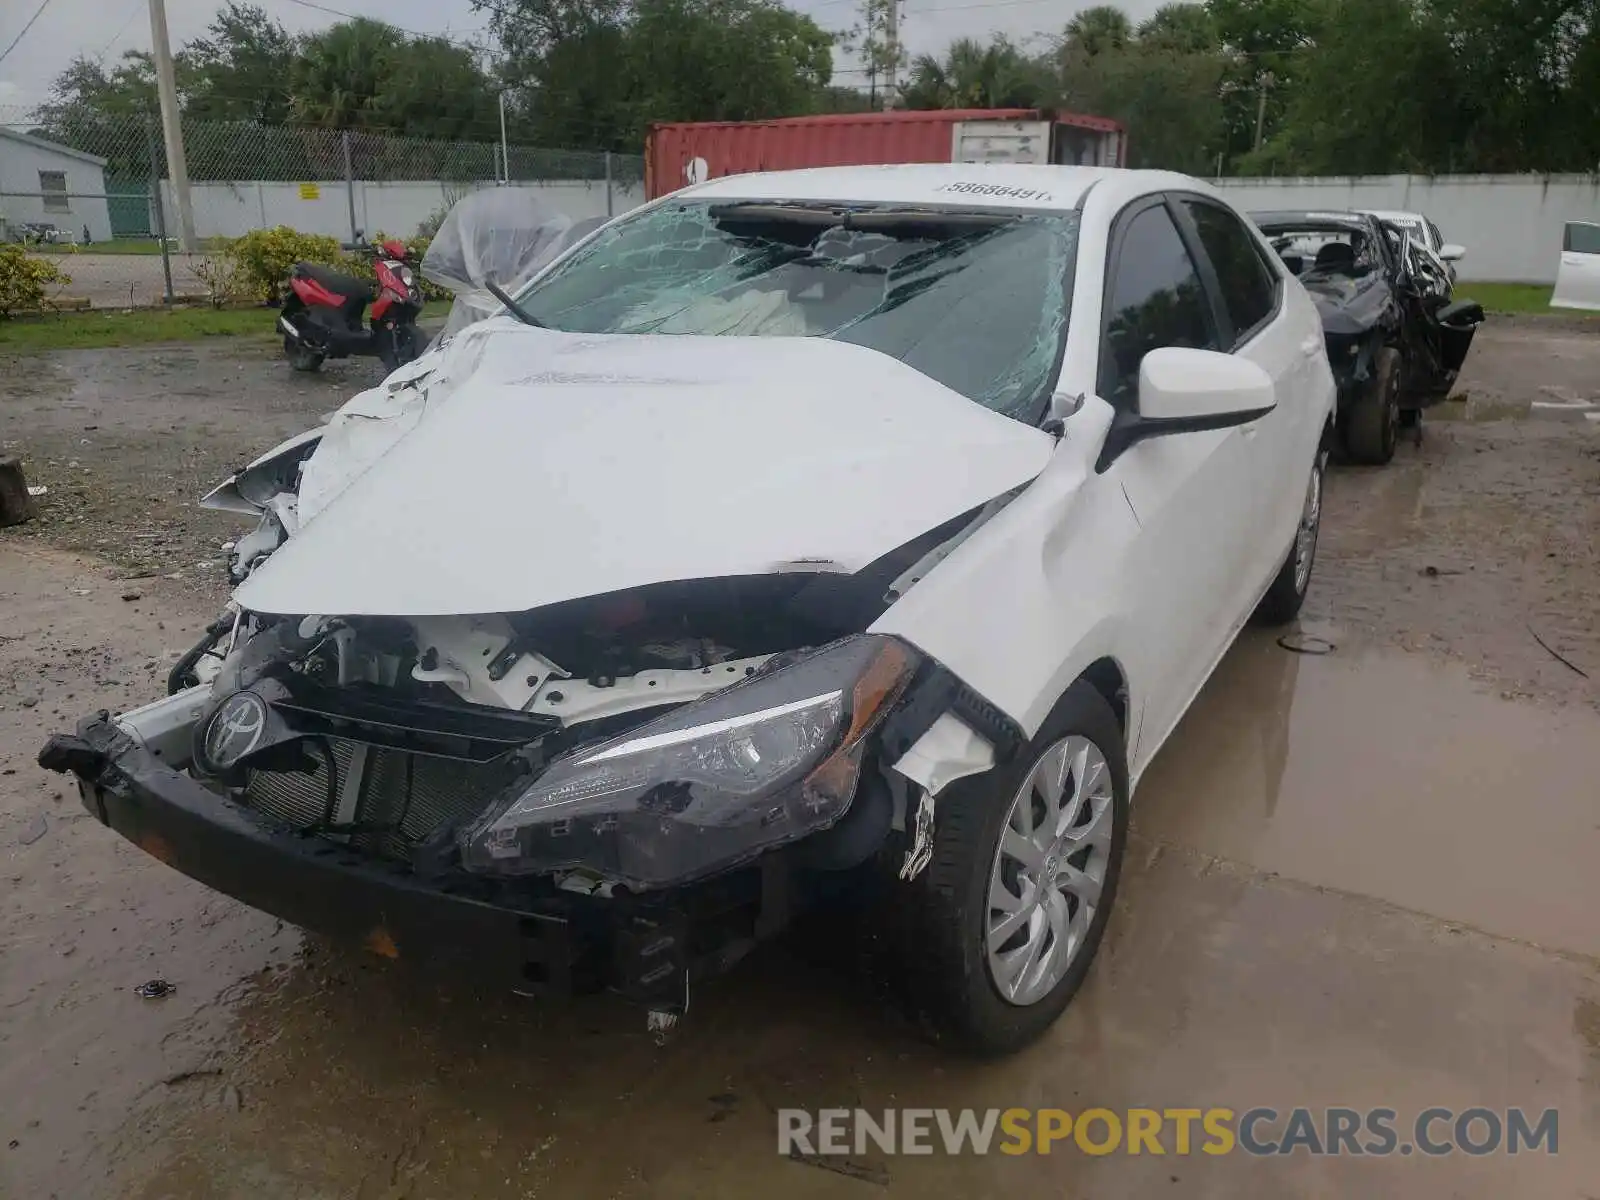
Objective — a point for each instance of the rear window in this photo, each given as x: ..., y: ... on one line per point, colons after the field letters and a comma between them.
x: 1581, y: 239
x: 1325, y: 249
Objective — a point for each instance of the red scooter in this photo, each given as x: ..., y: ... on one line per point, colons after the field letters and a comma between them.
x: 322, y: 315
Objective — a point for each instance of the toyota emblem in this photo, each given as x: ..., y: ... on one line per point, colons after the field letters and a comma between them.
x: 236, y: 729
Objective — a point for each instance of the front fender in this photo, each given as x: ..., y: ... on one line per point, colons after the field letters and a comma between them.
x: 1023, y: 607
x: 247, y: 491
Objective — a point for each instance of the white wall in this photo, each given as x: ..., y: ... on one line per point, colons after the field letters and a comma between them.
x: 1510, y: 224
x: 20, y: 164
x: 230, y: 209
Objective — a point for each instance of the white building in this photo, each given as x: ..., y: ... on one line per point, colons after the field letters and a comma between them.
x: 41, y: 182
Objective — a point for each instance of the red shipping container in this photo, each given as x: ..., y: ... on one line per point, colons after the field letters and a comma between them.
x: 678, y: 154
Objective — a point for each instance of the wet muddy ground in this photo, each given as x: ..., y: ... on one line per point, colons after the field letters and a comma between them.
x: 1364, y: 878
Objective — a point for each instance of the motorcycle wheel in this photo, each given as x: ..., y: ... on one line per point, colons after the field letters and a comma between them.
x: 403, y: 344
x: 301, y: 357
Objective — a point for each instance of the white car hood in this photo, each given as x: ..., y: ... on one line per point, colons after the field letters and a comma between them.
x: 565, y: 465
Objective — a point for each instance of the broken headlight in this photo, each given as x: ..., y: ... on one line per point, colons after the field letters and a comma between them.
x: 709, y: 785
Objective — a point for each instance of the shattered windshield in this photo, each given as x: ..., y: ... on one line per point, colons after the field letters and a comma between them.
x: 975, y: 300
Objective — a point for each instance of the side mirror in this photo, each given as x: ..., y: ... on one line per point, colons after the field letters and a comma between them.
x: 1182, y: 390
x: 1451, y: 252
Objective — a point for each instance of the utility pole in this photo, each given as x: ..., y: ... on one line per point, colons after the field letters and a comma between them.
x: 1263, y: 82
x: 891, y: 41
x: 172, y: 131
x: 505, y: 152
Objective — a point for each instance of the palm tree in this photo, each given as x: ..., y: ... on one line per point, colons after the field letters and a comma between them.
x: 1098, y: 29
x: 975, y: 75
x: 1181, y: 29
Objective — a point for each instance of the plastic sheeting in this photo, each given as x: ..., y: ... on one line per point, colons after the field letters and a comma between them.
x: 506, y: 234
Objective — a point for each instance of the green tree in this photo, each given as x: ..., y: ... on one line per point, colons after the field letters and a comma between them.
x: 1353, y: 106
x: 1099, y: 30
x: 598, y: 76
x: 240, y: 70
x: 972, y: 74
x: 104, y: 112
x: 1180, y: 29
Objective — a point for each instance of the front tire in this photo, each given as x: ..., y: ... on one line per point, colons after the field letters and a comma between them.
x: 1284, y: 598
x: 301, y: 356
x: 997, y: 934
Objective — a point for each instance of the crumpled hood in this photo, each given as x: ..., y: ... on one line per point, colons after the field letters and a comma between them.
x: 1347, y: 305
x: 569, y: 465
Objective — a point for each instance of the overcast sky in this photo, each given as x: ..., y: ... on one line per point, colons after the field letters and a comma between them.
x: 108, y: 27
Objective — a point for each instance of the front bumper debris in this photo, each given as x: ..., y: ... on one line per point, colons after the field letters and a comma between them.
x: 497, y: 933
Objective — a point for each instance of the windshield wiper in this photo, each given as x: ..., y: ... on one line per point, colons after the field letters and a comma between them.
x: 512, y: 307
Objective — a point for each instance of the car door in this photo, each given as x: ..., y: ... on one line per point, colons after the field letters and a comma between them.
x: 1192, y: 495
x: 1578, y: 276
x: 1257, y: 326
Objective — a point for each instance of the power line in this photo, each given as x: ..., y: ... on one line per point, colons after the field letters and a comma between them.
x: 43, y: 4
x: 334, y: 12
x: 121, y: 29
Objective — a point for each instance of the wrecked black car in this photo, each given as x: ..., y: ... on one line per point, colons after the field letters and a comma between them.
x: 1396, y: 336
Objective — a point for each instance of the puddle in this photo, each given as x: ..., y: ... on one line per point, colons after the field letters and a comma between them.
x: 1393, y: 777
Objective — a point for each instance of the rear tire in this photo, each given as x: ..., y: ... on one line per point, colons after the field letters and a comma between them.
x: 939, y: 925
x: 301, y: 357
x: 1372, y: 426
x: 1282, y: 602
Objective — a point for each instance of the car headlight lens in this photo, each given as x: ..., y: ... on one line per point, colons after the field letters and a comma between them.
x: 708, y: 785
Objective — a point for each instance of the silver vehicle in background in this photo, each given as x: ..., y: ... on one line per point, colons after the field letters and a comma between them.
x: 1426, y: 233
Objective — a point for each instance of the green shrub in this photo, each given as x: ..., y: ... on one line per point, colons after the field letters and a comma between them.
x: 256, y: 265
x: 261, y: 258
x: 24, y: 279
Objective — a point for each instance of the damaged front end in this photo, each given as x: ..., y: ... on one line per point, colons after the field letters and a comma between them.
x: 552, y: 657
x: 624, y: 792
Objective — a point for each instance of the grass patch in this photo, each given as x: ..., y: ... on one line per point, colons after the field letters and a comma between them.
x: 1508, y: 297
x: 142, y: 327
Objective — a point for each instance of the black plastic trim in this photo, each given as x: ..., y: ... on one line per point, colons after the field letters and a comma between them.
x: 937, y: 691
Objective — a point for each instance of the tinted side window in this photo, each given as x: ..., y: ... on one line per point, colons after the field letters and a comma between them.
x: 1154, y: 300
x: 1582, y: 239
x: 1248, y: 290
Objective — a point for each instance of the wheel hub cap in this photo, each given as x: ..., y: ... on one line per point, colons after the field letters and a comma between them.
x: 1305, y: 541
x: 1048, y: 870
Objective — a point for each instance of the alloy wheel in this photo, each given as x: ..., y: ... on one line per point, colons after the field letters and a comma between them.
x: 1049, y: 870
x: 1305, y: 538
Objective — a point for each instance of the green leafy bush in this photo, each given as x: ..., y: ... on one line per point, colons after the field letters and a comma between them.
x: 261, y: 258
x: 256, y: 265
x: 25, y: 280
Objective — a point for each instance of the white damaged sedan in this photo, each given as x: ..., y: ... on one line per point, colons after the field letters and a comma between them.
x: 846, y: 538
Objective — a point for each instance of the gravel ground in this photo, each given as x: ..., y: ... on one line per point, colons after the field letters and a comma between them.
x: 127, y: 280
x: 1365, y: 878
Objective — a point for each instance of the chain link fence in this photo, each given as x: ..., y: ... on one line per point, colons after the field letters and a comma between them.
x: 349, y: 183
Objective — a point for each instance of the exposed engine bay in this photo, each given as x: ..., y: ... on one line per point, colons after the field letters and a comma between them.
x: 395, y: 736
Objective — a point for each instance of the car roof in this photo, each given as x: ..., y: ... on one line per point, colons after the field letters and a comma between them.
x: 1395, y: 215
x: 998, y: 185
x: 1313, y: 218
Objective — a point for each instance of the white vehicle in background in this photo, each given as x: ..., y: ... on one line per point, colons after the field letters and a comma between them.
x: 1427, y: 233
x: 1578, y: 276
x: 846, y: 537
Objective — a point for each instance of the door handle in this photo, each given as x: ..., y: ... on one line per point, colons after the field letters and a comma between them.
x: 1310, y: 346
